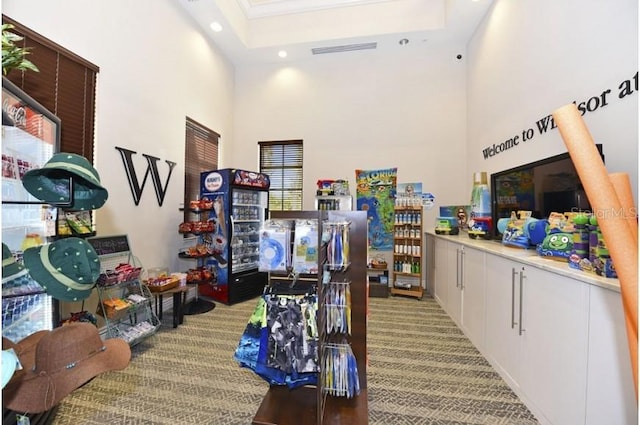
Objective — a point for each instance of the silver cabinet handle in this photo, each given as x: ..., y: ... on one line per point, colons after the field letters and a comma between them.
x: 462, y: 254
x: 520, y: 328
x: 513, y: 297
x: 457, y: 267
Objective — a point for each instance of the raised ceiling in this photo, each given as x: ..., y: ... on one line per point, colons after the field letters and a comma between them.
x: 254, y: 31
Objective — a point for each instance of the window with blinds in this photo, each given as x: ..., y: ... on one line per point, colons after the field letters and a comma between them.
x: 201, y: 154
x: 65, y: 85
x: 282, y: 162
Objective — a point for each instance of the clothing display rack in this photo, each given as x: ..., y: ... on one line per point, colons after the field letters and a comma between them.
x: 322, y: 404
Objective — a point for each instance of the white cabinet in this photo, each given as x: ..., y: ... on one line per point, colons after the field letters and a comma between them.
x: 454, y: 282
x: 554, y: 345
x: 558, y: 341
x: 610, y: 391
x: 536, y: 336
x: 441, y: 272
x: 473, y: 286
x: 460, y: 286
x: 502, y: 340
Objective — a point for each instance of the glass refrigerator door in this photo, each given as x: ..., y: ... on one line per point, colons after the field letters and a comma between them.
x: 30, y: 136
x: 248, y: 211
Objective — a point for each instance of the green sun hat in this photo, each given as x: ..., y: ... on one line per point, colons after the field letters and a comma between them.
x: 67, y: 269
x: 15, y: 278
x: 11, y: 269
x: 51, y: 182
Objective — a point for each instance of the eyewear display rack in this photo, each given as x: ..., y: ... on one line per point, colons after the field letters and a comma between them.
x: 314, y: 405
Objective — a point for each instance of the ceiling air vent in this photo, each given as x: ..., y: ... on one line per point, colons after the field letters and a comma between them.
x: 346, y: 48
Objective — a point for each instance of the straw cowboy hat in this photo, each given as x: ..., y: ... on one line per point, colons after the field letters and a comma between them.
x: 64, y: 359
x: 15, y: 278
x: 67, y: 269
x: 51, y: 182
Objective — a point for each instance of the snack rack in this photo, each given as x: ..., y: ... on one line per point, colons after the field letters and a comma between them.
x: 124, y: 302
x: 199, y: 246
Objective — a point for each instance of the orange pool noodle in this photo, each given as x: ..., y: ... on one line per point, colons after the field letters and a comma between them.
x: 622, y: 185
x: 607, y: 207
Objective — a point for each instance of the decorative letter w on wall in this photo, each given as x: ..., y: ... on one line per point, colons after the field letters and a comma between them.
x: 152, y: 169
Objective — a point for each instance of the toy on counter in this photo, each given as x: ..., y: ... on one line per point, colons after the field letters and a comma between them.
x: 537, y: 230
x: 556, y: 245
x: 480, y: 227
x: 457, y: 215
x: 480, y: 196
x: 514, y: 234
x: 591, y: 255
x: 447, y: 226
x: 558, y: 241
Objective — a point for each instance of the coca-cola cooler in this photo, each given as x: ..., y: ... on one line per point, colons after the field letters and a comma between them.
x: 30, y: 137
x: 240, y: 207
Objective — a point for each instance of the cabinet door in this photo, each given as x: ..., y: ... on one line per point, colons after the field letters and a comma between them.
x: 554, y: 345
x: 473, y: 295
x: 610, y: 392
x: 454, y: 291
x: 502, y: 341
x: 441, y: 271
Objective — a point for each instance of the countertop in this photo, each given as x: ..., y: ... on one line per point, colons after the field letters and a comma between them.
x: 531, y: 258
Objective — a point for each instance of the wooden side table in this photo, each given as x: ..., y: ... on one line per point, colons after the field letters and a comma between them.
x: 179, y: 299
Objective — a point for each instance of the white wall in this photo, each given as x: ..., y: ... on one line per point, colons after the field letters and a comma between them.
x: 531, y: 57
x: 353, y: 110
x: 155, y: 69
x: 360, y: 110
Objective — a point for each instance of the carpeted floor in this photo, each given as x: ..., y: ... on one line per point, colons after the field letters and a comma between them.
x: 422, y: 370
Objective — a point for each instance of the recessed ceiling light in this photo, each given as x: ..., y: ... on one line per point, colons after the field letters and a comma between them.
x: 216, y: 26
x: 403, y: 42
x: 282, y: 53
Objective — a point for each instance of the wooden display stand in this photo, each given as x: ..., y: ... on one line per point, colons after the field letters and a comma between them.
x: 378, y: 282
x: 310, y: 404
x: 407, y: 252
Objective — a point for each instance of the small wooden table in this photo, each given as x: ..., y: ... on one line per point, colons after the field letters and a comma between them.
x: 179, y: 299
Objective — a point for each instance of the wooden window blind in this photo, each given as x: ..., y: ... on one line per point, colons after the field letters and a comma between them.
x: 65, y: 85
x: 201, y: 154
x: 282, y: 162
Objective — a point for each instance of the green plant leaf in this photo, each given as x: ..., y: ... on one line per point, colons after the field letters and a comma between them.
x: 13, y: 56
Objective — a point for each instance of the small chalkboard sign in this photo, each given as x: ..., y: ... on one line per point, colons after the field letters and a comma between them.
x: 105, y: 245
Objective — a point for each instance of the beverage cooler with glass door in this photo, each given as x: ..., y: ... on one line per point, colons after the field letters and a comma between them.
x: 240, y: 206
x: 30, y: 137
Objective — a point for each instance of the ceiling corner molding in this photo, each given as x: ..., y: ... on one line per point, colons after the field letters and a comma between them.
x: 255, y: 9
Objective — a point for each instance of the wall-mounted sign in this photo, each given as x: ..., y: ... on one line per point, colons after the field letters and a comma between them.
x: 625, y: 88
x: 152, y: 170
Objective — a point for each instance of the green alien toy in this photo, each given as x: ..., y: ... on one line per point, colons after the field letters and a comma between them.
x: 556, y: 245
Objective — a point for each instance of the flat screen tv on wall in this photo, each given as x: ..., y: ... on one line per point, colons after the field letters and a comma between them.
x: 544, y: 186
